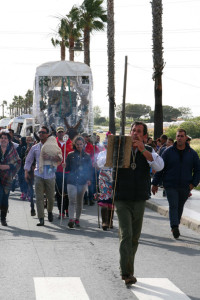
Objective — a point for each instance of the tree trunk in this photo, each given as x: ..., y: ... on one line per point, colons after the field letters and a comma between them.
x: 158, y: 112
x: 62, y: 46
x: 111, y: 64
x: 87, y: 46
x: 71, y: 49
x: 26, y: 106
x: 158, y: 65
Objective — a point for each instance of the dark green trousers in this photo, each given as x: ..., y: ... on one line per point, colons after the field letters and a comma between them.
x: 130, y: 216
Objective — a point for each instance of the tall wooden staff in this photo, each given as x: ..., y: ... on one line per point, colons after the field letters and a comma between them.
x: 120, y: 144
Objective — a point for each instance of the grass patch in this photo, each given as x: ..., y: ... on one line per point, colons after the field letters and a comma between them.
x: 195, y: 144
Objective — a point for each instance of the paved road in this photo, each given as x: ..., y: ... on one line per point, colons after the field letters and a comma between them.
x: 53, y: 262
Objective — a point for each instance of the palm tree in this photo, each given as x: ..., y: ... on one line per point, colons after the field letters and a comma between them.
x: 15, y: 106
x: 68, y: 32
x: 73, y: 29
x: 92, y: 18
x: 4, y: 103
x: 63, y: 42
x: 11, y: 109
x: 28, y: 101
x: 111, y: 64
x: 158, y: 65
x: 20, y: 104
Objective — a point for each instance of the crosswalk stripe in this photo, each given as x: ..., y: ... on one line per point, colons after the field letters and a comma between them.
x: 59, y: 288
x: 157, y: 289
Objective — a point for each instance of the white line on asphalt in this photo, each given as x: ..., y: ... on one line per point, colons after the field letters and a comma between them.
x: 59, y: 288
x: 157, y: 289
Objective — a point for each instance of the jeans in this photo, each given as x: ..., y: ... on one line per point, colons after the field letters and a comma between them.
x: 92, y: 189
x: 30, y: 193
x: 176, y: 198
x: 130, y: 216
x: 3, y: 199
x: 75, y: 194
x: 22, y: 182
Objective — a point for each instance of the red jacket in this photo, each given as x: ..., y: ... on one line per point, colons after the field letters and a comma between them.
x: 69, y: 148
x: 92, y: 151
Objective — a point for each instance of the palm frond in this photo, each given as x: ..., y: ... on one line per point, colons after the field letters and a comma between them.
x: 98, y: 26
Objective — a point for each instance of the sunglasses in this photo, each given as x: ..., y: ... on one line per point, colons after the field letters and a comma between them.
x: 42, y: 132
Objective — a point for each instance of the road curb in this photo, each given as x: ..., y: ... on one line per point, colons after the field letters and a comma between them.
x: 190, y: 223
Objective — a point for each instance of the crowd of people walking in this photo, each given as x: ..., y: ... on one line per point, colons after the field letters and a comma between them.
x: 74, y: 172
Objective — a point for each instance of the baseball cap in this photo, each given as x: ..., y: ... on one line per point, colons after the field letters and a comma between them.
x: 58, y: 129
x: 85, y: 134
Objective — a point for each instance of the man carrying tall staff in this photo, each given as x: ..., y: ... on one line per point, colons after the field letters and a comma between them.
x: 132, y: 190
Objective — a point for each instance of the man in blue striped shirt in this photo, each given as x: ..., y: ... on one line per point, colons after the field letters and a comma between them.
x: 45, y: 181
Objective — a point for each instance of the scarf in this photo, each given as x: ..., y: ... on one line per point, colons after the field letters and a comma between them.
x: 12, y: 159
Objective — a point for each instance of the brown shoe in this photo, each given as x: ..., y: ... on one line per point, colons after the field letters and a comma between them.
x: 129, y: 279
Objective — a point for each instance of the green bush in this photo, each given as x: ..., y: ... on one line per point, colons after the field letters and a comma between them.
x: 192, y: 128
x: 100, y: 121
x: 171, y: 131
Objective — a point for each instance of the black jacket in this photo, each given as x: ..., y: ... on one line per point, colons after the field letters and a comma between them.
x: 79, y: 168
x: 181, y: 168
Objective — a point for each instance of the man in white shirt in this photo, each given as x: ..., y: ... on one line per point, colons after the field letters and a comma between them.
x: 131, y: 193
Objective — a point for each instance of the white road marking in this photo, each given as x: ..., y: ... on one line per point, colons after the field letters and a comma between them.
x: 59, y: 288
x: 157, y: 289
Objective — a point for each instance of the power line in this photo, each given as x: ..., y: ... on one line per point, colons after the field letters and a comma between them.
x: 165, y: 3
x: 23, y: 32
x: 181, y: 1
x: 175, y: 49
x: 170, y: 78
x: 182, y: 82
x: 176, y: 30
x: 172, y: 67
x: 144, y: 68
x: 27, y: 48
x: 142, y: 49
